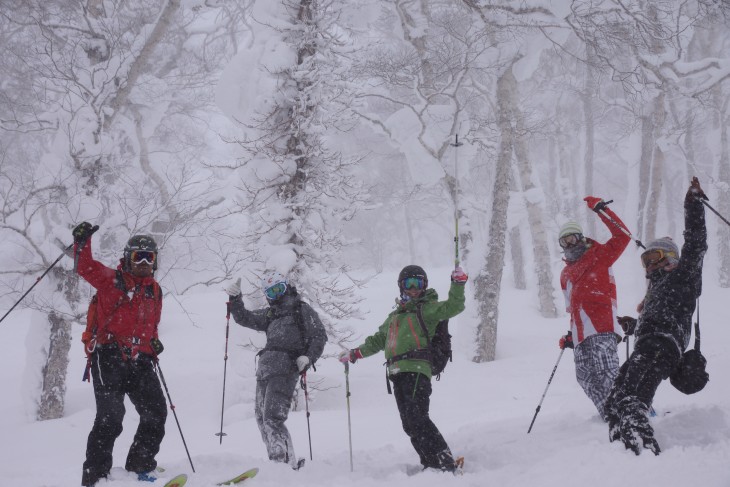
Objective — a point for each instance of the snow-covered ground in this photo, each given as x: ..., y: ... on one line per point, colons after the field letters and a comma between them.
x: 483, y: 410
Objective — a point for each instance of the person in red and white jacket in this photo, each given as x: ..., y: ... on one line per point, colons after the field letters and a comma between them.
x: 122, y: 344
x: 589, y: 288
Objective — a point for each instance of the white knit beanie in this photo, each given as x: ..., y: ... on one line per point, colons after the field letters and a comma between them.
x: 569, y: 228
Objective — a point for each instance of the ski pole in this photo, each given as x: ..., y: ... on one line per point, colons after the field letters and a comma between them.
x: 65, y: 251
x: 347, y: 395
x: 715, y: 211
x: 456, y: 146
x: 225, y: 366
x: 303, y: 379
x: 172, y: 406
x: 537, y: 410
x: 617, y: 225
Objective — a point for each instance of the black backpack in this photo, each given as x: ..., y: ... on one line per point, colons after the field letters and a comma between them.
x: 690, y: 376
x: 439, y: 345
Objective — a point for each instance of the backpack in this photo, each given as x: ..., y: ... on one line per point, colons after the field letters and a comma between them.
x: 690, y: 376
x: 439, y: 345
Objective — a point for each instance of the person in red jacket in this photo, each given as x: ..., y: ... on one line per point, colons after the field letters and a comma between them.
x: 123, y: 344
x: 590, y: 296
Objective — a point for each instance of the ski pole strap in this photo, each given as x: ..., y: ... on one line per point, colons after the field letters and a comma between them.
x: 87, y: 371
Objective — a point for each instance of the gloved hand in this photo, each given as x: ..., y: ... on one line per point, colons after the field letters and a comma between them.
x: 459, y: 276
x: 595, y: 204
x: 566, y: 342
x: 156, y: 345
x: 234, y: 289
x: 628, y: 324
x: 303, y: 363
x: 695, y: 191
x: 82, y: 232
x: 350, y: 356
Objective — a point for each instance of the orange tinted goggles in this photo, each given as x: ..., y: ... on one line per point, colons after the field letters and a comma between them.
x: 653, y: 257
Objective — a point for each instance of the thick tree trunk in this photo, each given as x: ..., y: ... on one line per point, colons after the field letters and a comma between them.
x: 54, y: 372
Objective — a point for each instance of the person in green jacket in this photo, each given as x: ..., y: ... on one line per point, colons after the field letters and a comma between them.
x: 402, y: 339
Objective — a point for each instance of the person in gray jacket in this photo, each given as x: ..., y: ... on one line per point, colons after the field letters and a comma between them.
x: 295, y: 339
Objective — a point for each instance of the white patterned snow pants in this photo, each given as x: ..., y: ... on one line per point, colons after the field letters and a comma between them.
x: 596, y: 367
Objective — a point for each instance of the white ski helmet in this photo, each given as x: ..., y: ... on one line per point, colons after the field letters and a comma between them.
x: 269, y: 280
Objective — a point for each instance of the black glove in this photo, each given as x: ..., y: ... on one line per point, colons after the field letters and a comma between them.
x: 695, y: 191
x: 628, y: 324
x: 82, y: 232
x: 566, y: 342
x: 156, y: 345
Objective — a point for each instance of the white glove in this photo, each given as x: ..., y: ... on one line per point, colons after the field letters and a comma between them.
x: 302, y: 363
x: 235, y: 288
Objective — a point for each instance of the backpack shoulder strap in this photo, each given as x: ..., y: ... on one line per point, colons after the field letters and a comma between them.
x: 419, y: 315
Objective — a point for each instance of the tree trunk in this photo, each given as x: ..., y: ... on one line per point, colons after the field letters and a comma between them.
x: 488, y: 282
x: 589, y: 91
x: 647, y: 148
x: 54, y: 371
x: 535, y: 217
x: 656, y: 172
x: 723, y: 203
x: 518, y: 261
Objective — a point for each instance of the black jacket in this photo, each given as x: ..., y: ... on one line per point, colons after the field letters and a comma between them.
x: 672, y: 296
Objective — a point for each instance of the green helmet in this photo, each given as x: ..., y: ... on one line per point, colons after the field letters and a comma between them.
x: 139, y: 242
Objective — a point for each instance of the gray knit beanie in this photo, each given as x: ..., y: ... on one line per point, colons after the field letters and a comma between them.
x: 667, y: 245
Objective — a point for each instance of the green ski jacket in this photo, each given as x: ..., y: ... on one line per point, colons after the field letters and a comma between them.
x: 401, y: 332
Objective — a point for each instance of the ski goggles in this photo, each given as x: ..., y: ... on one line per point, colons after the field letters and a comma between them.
x: 413, y: 283
x: 275, y: 291
x: 139, y: 256
x: 570, y: 240
x: 653, y: 257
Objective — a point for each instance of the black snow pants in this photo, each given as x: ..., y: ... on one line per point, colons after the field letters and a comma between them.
x: 413, y: 395
x: 113, y: 377
x: 638, y: 379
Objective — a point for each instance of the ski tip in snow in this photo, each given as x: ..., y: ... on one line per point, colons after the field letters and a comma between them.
x: 178, y: 481
x: 240, y: 478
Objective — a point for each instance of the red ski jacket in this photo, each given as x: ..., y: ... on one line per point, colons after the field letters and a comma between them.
x: 589, y: 286
x: 128, y: 309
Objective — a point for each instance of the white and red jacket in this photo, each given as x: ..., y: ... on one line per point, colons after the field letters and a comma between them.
x: 589, y: 286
